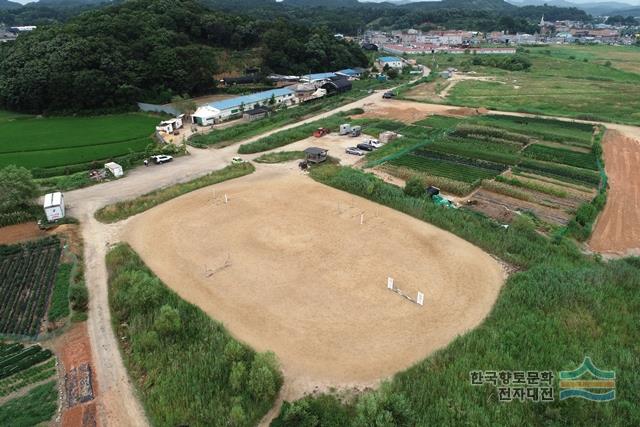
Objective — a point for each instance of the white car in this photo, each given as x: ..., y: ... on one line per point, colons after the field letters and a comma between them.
x: 161, y: 158
x: 373, y: 142
x: 236, y: 160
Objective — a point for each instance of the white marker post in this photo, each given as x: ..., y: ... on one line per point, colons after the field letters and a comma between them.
x: 225, y: 198
x: 361, y: 218
x: 390, y: 283
x: 420, y: 298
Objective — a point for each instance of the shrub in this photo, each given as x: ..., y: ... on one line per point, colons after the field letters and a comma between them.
x: 413, y: 187
x: 78, y: 296
x: 168, y: 321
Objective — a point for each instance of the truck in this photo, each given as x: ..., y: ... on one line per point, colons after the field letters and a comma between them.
x: 54, y: 206
x: 434, y: 194
x: 320, y: 132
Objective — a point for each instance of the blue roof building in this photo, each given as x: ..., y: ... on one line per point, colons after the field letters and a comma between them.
x: 250, y: 100
x: 317, y: 77
x: 389, y: 59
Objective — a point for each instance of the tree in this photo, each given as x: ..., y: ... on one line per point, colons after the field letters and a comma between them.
x: 168, y: 321
x: 392, y: 73
x: 272, y: 100
x: 413, y: 187
x: 184, y: 105
x: 264, y: 377
x: 17, y: 189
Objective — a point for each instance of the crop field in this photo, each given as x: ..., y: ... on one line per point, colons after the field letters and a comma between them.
x: 521, y: 164
x: 62, y: 141
x: 28, y: 389
x: 27, y: 276
x: 559, y: 83
x: 448, y: 168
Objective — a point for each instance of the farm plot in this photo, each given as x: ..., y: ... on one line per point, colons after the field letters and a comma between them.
x: 27, y: 275
x: 28, y: 389
x: 302, y: 280
x: 62, y: 141
x: 559, y: 155
x: 445, y: 168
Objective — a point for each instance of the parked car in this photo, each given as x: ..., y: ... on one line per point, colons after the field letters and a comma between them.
x: 388, y: 95
x: 236, y: 160
x: 373, y: 142
x: 161, y: 158
x: 354, y: 151
x: 365, y: 147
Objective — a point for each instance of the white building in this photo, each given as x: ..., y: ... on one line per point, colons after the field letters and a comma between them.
x: 234, y: 107
x: 391, y: 61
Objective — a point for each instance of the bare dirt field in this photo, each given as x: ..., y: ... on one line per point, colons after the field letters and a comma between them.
x: 20, y: 232
x: 287, y: 267
x: 409, y: 112
x: 617, y: 229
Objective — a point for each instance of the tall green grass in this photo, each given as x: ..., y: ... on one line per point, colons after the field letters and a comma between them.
x: 37, y: 406
x: 186, y: 367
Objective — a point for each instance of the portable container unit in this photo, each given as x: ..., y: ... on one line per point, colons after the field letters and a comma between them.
x: 114, y: 168
x: 356, y: 131
x: 387, y: 136
x: 345, y: 129
x: 54, y: 206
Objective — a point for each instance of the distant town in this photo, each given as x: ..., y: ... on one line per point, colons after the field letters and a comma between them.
x: 414, y: 41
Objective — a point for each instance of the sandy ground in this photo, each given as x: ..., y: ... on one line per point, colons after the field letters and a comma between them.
x: 334, y: 143
x: 287, y: 267
x: 409, y: 112
x: 618, y: 227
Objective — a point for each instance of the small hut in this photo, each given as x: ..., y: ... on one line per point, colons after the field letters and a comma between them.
x: 315, y: 154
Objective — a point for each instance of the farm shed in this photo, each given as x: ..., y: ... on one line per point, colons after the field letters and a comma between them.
x: 255, y: 114
x: 221, y: 110
x: 315, y: 154
x: 338, y: 85
x: 169, y: 126
x: 351, y: 73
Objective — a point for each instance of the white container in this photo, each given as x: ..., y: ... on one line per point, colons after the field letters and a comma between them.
x: 54, y: 206
x: 345, y: 129
x: 114, y: 168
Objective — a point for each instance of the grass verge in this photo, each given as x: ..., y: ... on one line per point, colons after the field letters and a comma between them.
x: 280, y: 157
x: 127, y: 208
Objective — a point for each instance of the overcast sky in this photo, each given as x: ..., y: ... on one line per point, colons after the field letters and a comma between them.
x: 632, y: 2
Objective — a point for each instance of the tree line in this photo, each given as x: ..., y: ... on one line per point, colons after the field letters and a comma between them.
x: 151, y: 50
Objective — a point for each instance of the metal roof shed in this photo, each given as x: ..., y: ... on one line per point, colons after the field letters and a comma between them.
x: 315, y: 154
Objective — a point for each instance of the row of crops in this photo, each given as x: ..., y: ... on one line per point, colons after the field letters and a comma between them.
x: 28, y: 390
x: 481, y: 148
x: 27, y: 276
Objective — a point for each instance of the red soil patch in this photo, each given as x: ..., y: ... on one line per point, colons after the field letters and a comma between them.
x: 74, y: 351
x: 618, y: 227
x: 20, y: 232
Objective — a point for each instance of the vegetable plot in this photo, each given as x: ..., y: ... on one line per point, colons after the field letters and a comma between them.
x: 27, y: 275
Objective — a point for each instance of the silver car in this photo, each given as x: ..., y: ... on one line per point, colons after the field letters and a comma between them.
x: 354, y: 151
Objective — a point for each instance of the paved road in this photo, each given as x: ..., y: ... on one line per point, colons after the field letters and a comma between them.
x: 118, y: 405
